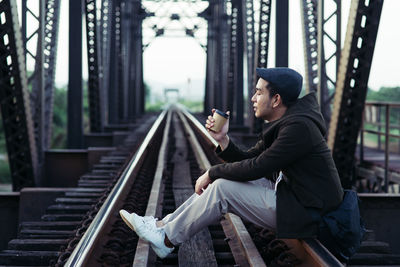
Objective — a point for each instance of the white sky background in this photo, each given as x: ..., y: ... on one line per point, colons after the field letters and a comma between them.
x: 171, y: 62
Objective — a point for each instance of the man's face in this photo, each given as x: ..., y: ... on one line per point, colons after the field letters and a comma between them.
x: 262, y: 103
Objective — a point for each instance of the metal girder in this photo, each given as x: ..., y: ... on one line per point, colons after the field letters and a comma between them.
x: 75, y: 98
x: 105, y: 46
x: 263, y: 33
x: 94, y: 79
x: 261, y: 56
x: 14, y: 100
x: 351, y: 86
x: 36, y: 79
x: 282, y: 33
x: 217, y: 57
x: 310, y: 43
x: 52, y: 14
x: 136, y: 90
x: 235, y: 76
x: 328, y: 60
x: 114, y: 84
x: 120, y: 36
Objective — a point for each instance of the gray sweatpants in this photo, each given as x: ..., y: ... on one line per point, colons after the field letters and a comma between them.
x: 253, y: 201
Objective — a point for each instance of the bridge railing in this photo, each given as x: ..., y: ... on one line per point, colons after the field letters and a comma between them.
x: 380, y: 131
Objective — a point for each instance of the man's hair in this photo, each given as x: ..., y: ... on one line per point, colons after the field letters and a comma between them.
x: 273, y: 90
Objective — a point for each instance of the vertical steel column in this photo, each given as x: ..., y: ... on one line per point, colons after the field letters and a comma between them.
x: 14, y: 100
x: 351, y: 86
x: 209, y: 90
x: 224, y: 53
x: 105, y: 30
x: 94, y: 90
x: 282, y: 33
x: 217, y: 54
x: 50, y: 56
x: 250, y: 57
x: 113, y: 67
x: 310, y: 44
x: 121, y: 59
x: 136, y: 90
x: 75, y: 108
x: 238, y: 21
x: 127, y: 41
x: 261, y: 56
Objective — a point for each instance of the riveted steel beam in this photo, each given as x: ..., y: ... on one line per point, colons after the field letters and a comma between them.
x: 14, y: 100
x: 282, y: 33
x: 328, y: 60
x: 51, y: 20
x: 94, y: 82
x: 310, y: 43
x: 261, y: 56
x: 351, y: 86
x: 75, y: 96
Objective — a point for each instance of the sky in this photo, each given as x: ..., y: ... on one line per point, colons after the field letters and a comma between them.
x: 181, y: 62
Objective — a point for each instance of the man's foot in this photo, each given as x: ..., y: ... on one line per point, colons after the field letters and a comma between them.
x: 145, y: 228
x: 157, y: 241
x: 129, y: 218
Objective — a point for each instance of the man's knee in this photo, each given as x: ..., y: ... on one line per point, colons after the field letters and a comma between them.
x: 224, y: 185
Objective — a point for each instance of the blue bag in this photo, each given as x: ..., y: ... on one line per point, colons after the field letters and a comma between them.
x: 342, y: 230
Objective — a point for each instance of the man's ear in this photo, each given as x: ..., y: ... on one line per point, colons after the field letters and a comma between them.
x: 277, y: 100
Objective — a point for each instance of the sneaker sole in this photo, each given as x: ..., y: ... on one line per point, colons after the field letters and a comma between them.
x: 126, y: 221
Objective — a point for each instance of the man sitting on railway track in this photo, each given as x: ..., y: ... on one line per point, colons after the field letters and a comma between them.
x: 292, y: 153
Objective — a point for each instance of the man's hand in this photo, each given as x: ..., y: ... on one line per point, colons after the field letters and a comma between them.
x: 221, y: 137
x: 201, y: 183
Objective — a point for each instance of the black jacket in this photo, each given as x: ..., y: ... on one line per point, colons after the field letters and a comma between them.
x: 295, y: 145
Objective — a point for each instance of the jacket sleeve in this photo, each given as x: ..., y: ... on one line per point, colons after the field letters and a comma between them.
x: 292, y: 143
x: 232, y: 153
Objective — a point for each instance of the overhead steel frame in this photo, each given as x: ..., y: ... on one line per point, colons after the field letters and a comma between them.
x: 94, y: 79
x: 261, y: 56
x: 327, y: 79
x: 351, y: 86
x: 14, y: 100
x: 310, y: 43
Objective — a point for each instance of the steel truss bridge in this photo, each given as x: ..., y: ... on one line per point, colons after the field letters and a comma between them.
x: 235, y: 34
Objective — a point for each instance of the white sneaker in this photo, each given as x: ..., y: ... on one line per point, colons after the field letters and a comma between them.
x: 129, y: 218
x: 145, y: 228
x: 156, y: 239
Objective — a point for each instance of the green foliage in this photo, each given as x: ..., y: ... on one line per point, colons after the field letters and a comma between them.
x: 59, y: 136
x: 5, y: 176
x: 390, y: 94
x: 193, y: 106
x: 156, y: 107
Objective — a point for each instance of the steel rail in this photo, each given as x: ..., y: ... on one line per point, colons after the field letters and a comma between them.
x: 82, y: 252
x: 317, y: 253
x: 248, y: 249
x: 153, y: 209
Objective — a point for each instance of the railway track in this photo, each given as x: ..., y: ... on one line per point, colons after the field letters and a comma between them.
x: 83, y: 228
